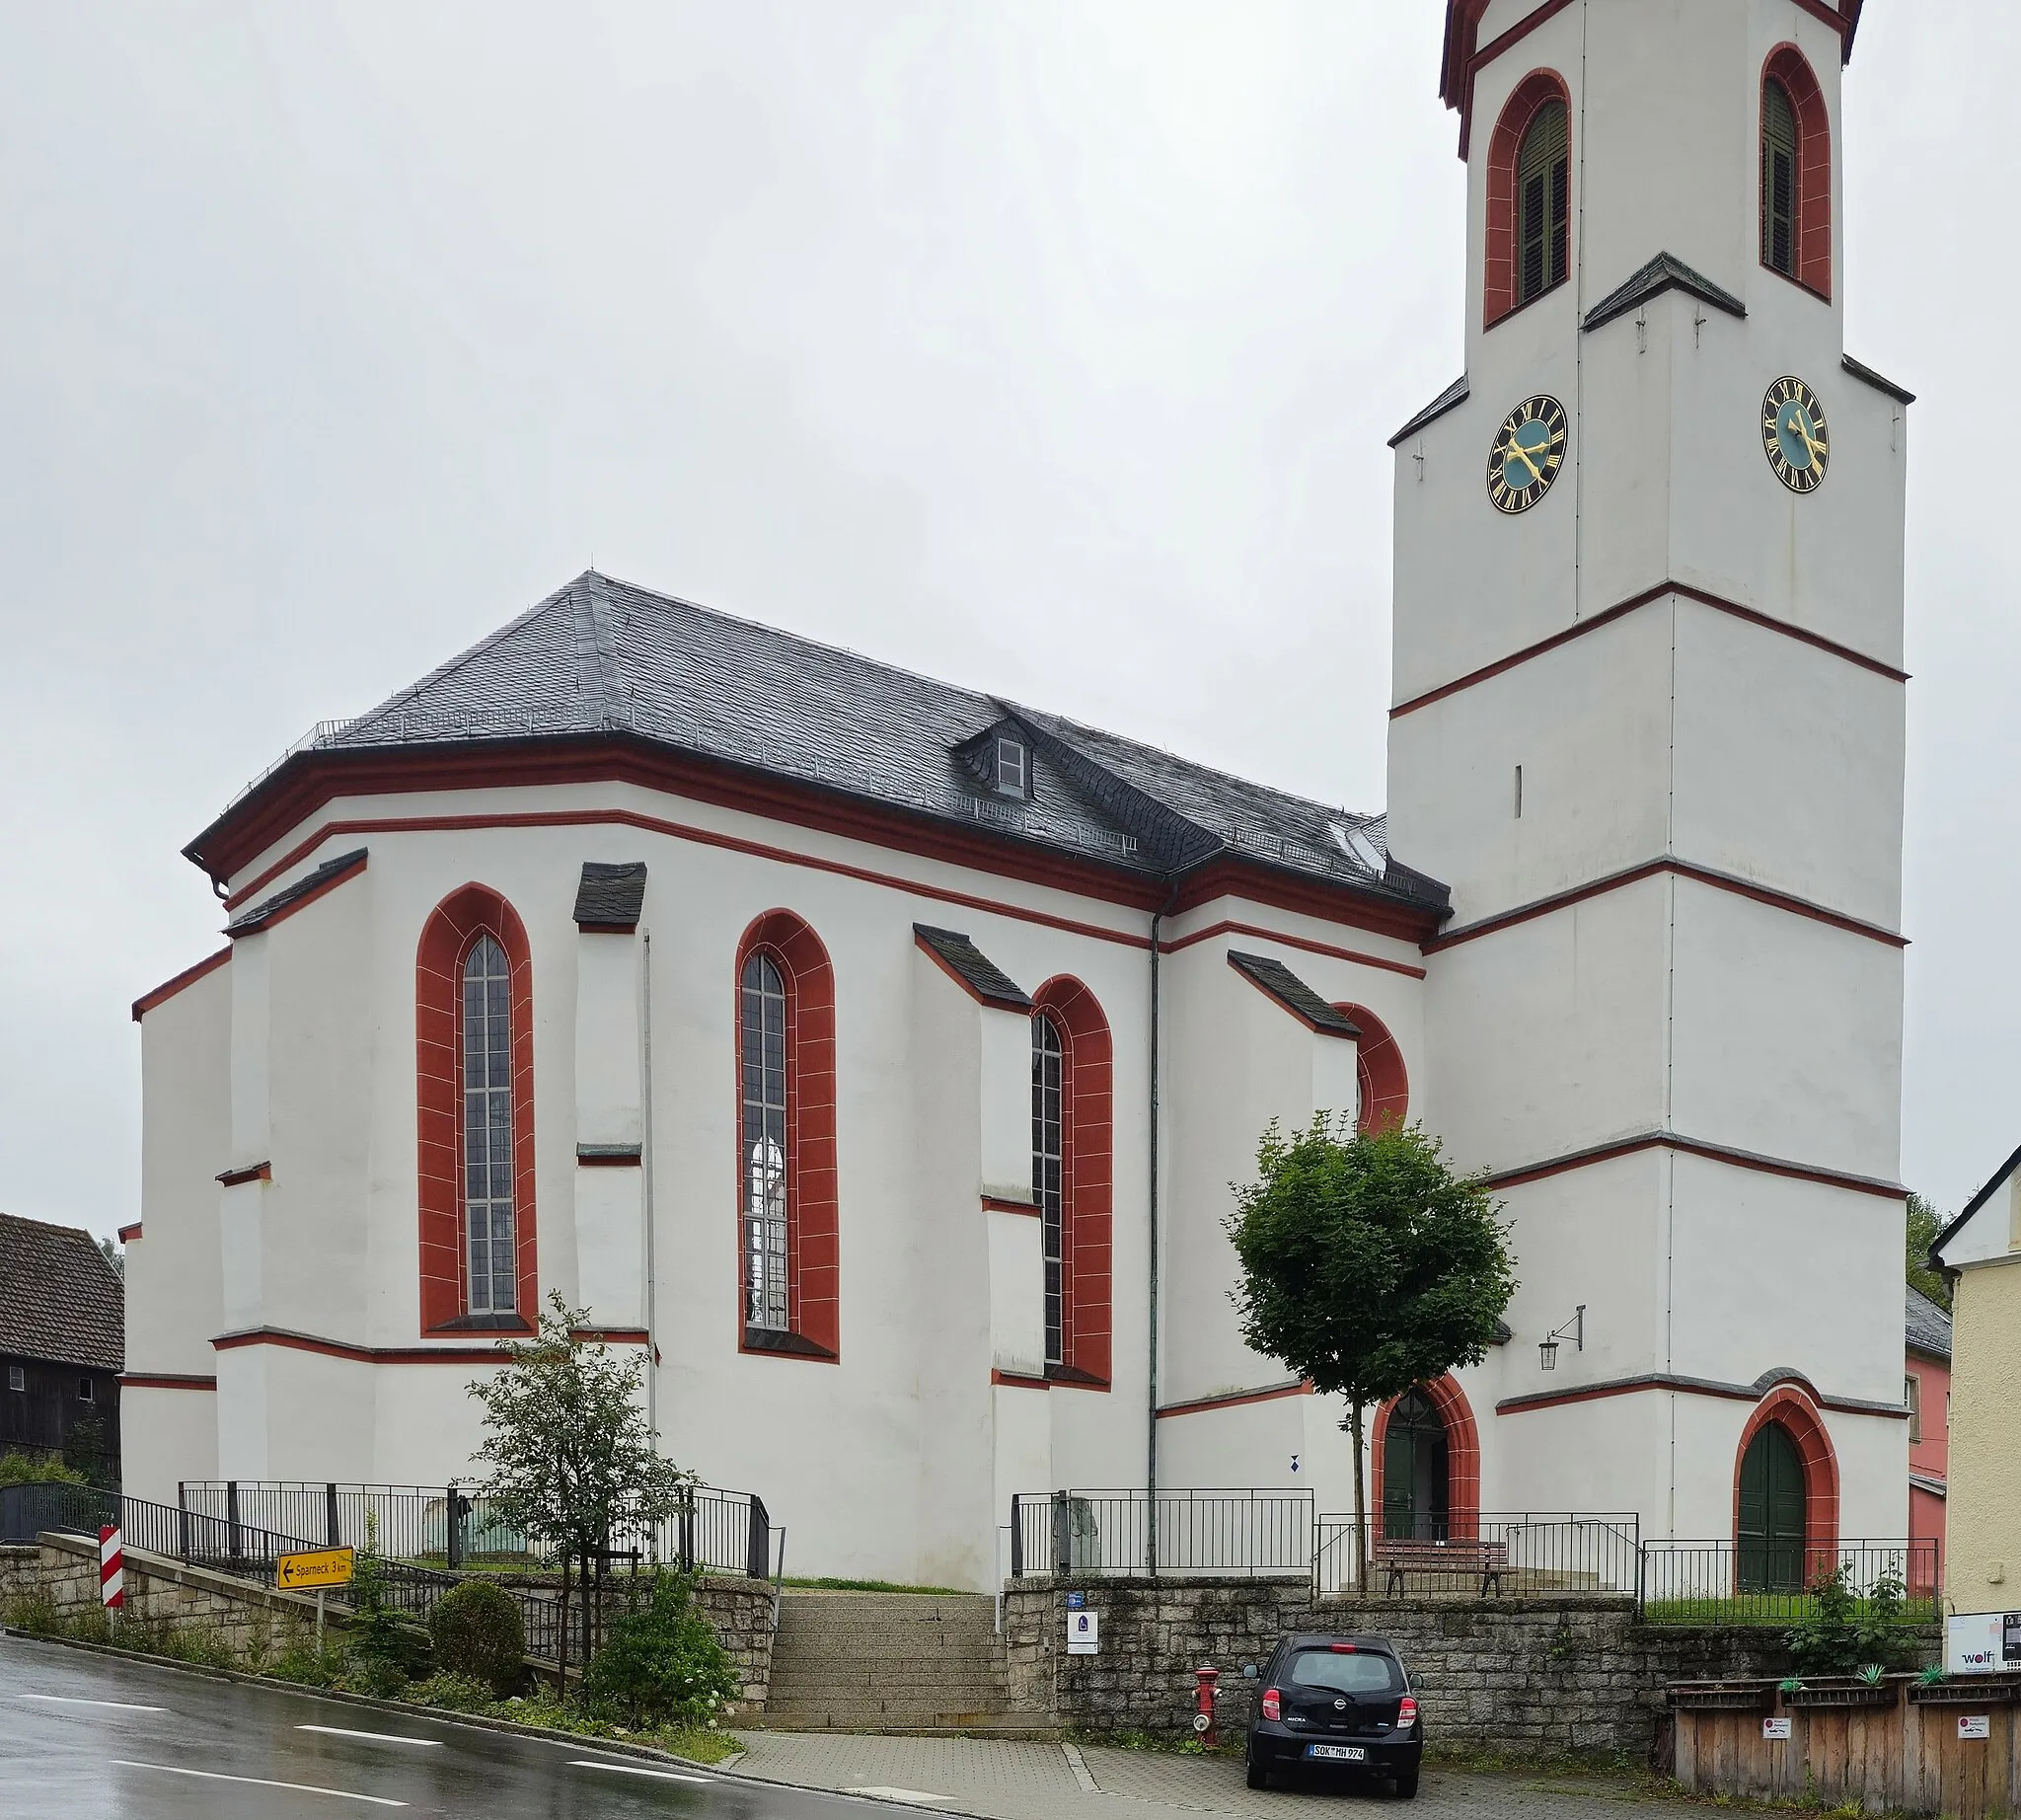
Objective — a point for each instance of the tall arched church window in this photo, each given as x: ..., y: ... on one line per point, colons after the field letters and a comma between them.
x: 1542, y: 196
x: 788, y: 1208
x: 763, y: 1177
x: 1796, y: 171
x: 1385, y: 1083
x: 477, y: 1253
x: 1048, y: 1162
x: 1528, y: 246
x: 487, y: 1159
x: 1071, y: 1156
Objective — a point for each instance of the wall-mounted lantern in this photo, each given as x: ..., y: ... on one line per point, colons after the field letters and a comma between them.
x: 1573, y: 1329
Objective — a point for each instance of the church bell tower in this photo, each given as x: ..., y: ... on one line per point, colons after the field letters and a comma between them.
x: 1647, y: 723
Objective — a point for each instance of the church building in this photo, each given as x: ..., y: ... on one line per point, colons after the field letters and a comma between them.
x: 875, y: 1054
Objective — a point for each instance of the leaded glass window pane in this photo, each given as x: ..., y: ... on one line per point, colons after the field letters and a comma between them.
x: 1542, y: 199
x: 1047, y: 1155
x: 763, y: 1177
x: 488, y: 1129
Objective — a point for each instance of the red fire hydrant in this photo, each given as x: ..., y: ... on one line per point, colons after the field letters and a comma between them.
x: 1203, y: 1720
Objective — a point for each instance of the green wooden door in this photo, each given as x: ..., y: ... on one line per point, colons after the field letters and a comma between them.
x: 1414, y: 1470
x: 1771, y: 1517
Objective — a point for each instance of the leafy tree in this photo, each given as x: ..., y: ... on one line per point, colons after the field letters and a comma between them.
x: 479, y: 1634
x: 114, y: 1256
x: 1368, y: 1267
x: 1924, y: 1223
x: 18, y: 1468
x: 571, y: 1462
x: 664, y: 1662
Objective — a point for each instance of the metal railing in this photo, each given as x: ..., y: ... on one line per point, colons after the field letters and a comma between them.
x: 1528, y: 1552
x: 1723, y: 1581
x: 1231, y: 1532
x: 456, y: 1527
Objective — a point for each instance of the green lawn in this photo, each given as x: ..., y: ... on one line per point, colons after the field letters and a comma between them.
x: 1767, y: 1609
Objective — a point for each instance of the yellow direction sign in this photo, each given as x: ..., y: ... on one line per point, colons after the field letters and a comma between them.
x: 316, y: 1567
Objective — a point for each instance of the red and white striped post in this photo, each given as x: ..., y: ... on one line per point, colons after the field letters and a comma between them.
x: 112, y: 1568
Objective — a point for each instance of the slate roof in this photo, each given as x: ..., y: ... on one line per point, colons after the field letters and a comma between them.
x: 1293, y: 993
x: 1664, y: 272
x: 610, y: 896
x: 248, y: 922
x: 1928, y: 1327
x: 1454, y: 396
x: 985, y: 978
x: 602, y: 656
x: 60, y: 1301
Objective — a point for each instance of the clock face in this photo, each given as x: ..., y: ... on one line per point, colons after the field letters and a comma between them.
x: 1527, y: 453
x: 1794, y: 434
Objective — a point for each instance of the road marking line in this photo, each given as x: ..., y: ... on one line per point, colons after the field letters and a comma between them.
x: 377, y: 1737
x: 634, y: 1769
x: 117, y: 1706
x: 259, y: 1781
x: 1084, y: 1780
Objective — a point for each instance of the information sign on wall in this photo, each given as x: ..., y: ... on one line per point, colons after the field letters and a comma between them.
x: 1083, y: 1634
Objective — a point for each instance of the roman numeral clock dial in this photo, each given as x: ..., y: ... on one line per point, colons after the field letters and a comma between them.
x: 1527, y: 453
x: 1794, y: 434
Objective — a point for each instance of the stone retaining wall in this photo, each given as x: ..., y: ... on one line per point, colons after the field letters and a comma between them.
x: 1525, y: 1675
x: 250, y: 1618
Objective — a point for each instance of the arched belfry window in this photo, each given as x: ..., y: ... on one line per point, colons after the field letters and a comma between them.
x: 1542, y: 196
x: 1048, y: 1163
x: 763, y: 1177
x: 1528, y: 246
x: 1779, y: 179
x: 1796, y: 171
x: 487, y: 1148
x: 788, y: 1208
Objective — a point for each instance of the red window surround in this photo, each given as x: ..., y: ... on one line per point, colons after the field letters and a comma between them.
x: 1462, y: 1458
x: 1086, y: 1177
x: 813, y: 1205
x: 1386, y: 1088
x: 1498, y: 266
x: 1788, y: 1405
x: 1786, y: 64
x: 452, y: 931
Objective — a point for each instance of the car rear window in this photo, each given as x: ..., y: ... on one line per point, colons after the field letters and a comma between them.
x: 1363, y: 1672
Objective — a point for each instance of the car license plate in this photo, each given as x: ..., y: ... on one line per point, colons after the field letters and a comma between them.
x: 1337, y: 1753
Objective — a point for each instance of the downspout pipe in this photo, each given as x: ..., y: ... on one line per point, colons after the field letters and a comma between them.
x: 1150, y: 1394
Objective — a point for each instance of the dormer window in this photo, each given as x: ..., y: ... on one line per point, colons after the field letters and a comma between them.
x: 1010, y: 766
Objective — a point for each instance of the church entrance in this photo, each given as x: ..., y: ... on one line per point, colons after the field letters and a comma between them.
x: 1769, y: 1544
x: 1415, y: 1472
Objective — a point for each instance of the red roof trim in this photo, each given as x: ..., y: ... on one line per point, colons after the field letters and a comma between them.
x: 398, y: 1355
x: 164, y: 1381
x: 1299, y: 942
x: 128, y: 1234
x: 1235, y: 1399
x: 321, y: 888
x: 189, y: 976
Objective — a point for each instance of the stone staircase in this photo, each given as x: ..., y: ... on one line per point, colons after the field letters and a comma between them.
x: 846, y: 1661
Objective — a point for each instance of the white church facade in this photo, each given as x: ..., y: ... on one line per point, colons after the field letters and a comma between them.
x: 875, y: 1054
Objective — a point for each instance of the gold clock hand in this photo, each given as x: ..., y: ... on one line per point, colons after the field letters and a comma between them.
x: 1512, y: 447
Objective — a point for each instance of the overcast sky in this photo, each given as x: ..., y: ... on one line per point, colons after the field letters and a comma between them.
x: 1049, y: 348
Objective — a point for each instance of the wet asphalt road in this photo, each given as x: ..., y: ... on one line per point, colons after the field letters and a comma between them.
x: 85, y: 1737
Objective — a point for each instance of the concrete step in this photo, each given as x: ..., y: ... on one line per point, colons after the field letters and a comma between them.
x: 889, y: 1662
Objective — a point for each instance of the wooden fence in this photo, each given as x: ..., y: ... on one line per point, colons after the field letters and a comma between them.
x: 1951, y: 1749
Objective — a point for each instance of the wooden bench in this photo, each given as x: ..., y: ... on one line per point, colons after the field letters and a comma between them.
x: 1482, y: 1560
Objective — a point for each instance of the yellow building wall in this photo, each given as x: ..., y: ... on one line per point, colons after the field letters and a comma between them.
x: 1984, y: 1516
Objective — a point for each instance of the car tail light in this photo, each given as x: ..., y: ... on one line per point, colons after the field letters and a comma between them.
x: 1341, y: 1649
x: 1273, y: 1704
x: 1407, y: 1713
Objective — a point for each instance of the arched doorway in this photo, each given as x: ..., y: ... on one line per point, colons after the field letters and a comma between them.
x: 1416, y: 1470
x: 1770, y: 1535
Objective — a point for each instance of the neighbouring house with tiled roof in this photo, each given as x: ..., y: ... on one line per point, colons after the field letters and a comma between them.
x: 874, y: 1054
x: 1926, y: 1390
x: 62, y: 1340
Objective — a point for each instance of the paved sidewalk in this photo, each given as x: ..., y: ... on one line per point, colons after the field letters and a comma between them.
x: 1004, y: 1779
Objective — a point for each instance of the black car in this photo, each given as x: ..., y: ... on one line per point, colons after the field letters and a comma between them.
x: 1335, y: 1703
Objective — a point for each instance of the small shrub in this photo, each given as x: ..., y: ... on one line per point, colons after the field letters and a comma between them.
x: 18, y: 1468
x: 386, y: 1650
x: 300, y: 1660
x: 458, y: 1693
x: 33, y: 1612
x: 1841, y: 1633
x: 664, y: 1662
x: 479, y: 1635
